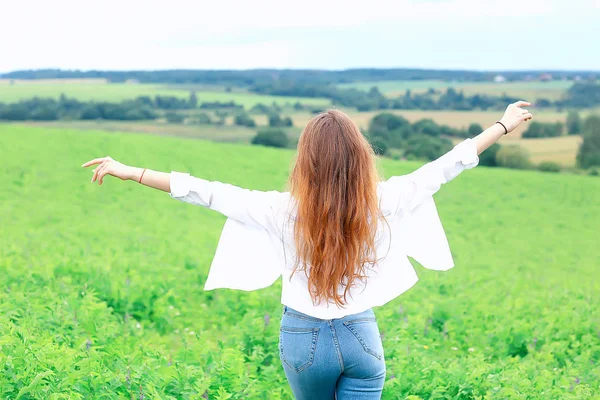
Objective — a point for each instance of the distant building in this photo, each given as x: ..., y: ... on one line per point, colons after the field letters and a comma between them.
x: 545, y: 77
x: 577, y: 78
x: 132, y: 81
x: 499, y: 79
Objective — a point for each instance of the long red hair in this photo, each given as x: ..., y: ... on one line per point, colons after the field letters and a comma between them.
x: 334, y: 181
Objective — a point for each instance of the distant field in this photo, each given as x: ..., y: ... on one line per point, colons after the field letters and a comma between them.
x: 562, y: 150
x: 101, y: 91
x: 527, y: 90
x: 458, y: 119
x: 227, y: 133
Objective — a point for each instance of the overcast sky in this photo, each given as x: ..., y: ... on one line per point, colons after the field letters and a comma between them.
x: 240, y: 34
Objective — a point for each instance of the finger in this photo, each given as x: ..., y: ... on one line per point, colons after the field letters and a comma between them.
x: 94, y: 162
x: 97, y: 172
x: 527, y: 116
x: 524, y: 111
x: 522, y: 103
x: 102, y: 174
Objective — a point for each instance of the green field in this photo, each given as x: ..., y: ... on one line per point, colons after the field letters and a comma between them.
x: 99, y: 90
x: 533, y: 90
x: 102, y: 286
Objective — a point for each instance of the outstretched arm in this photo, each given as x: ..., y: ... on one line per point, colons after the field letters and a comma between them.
x: 513, y: 116
x: 108, y: 166
x: 253, y: 207
x: 409, y: 191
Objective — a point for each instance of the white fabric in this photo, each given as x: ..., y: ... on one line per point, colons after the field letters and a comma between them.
x: 256, y: 246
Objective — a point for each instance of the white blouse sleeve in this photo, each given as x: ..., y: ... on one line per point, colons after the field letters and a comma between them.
x: 251, y: 207
x: 249, y: 254
x: 407, y: 192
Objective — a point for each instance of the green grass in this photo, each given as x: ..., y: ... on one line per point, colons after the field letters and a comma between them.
x: 102, y: 286
x: 100, y: 91
x: 528, y: 90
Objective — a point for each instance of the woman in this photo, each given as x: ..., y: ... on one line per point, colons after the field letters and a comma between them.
x: 340, y: 238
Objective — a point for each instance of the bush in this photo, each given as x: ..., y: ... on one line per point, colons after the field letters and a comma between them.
x: 488, y: 157
x: 379, y: 145
x: 423, y: 146
x: 271, y: 137
x: 573, y: 123
x: 513, y: 156
x: 589, y: 151
x: 174, y: 118
x: 387, y: 122
x: 244, y: 119
x: 543, y: 129
x: 201, y: 119
x: 549, y: 166
x: 427, y: 126
x: 474, y: 130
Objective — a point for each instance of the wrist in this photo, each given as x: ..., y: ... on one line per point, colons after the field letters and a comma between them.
x: 504, y: 126
x: 134, y: 173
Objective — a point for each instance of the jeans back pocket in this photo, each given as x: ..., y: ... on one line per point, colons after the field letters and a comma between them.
x: 366, y: 332
x: 297, y: 347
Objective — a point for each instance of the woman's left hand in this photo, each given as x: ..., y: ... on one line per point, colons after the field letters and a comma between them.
x: 108, y: 166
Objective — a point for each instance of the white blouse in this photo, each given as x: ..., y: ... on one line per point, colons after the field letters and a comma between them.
x: 256, y: 246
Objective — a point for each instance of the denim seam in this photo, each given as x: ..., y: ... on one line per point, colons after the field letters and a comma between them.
x: 305, y: 317
x: 358, y: 320
x: 362, y: 341
x: 337, y: 346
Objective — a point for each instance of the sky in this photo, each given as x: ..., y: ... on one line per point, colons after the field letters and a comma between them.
x: 317, y: 34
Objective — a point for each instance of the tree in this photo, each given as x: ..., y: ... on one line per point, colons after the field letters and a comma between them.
x: 193, y: 99
x: 426, y: 126
x: 513, y: 156
x: 428, y: 147
x: 488, y: 157
x: 379, y: 145
x: 244, y: 119
x: 474, y: 129
x: 589, y: 151
x: 15, y: 112
x: 202, y: 118
x: 221, y: 115
x: 573, y: 123
x: 534, y: 130
x: 174, y: 118
x: 544, y: 129
x: 387, y: 122
x: 44, y: 114
x: 275, y: 121
x: 271, y: 138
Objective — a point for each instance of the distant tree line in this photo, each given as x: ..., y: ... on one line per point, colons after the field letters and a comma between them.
x: 141, y: 108
x: 260, y: 76
x: 579, y: 95
x: 42, y: 109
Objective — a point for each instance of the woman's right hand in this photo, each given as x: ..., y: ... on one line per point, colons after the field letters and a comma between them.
x: 515, y: 115
x: 108, y: 166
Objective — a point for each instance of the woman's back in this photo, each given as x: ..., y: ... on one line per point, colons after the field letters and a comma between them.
x: 339, y: 238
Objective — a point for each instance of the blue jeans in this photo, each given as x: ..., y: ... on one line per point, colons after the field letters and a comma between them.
x: 338, y: 358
